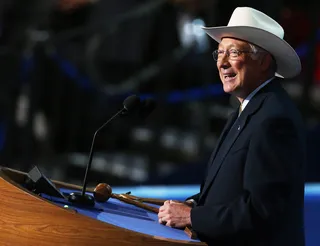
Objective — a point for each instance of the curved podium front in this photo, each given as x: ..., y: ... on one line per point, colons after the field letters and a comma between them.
x: 30, y: 219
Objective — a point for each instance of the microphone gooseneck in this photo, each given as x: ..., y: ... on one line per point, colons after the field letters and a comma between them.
x: 85, y: 180
x: 130, y: 103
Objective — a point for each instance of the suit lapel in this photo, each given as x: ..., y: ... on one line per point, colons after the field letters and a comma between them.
x: 231, y: 136
x: 225, y: 130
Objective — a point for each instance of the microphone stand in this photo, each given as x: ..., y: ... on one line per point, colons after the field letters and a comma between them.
x: 82, y: 198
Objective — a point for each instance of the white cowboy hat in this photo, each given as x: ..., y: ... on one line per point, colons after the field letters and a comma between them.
x: 257, y: 28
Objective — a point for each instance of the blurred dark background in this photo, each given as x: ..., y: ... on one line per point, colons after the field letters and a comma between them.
x: 67, y: 65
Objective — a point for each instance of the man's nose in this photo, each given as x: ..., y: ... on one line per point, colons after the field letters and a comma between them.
x: 223, y: 62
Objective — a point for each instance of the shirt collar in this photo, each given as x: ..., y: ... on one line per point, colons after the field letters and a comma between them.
x: 248, y: 98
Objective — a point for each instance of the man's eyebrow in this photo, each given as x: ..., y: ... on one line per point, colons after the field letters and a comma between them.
x: 228, y: 47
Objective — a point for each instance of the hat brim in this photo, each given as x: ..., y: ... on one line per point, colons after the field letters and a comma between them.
x: 288, y: 61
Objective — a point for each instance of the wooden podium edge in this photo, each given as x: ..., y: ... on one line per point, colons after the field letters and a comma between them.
x: 25, y: 215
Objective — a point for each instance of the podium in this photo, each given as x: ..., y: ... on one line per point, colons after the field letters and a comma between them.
x: 27, y: 218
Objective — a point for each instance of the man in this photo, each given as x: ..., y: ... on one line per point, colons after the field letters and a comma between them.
x: 253, y: 192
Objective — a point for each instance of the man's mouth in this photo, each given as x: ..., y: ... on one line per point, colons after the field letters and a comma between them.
x: 229, y: 75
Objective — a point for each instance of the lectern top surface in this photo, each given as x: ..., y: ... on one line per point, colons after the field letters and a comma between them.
x: 125, y: 216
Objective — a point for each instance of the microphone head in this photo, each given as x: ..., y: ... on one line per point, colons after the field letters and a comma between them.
x: 147, y: 106
x: 131, y: 103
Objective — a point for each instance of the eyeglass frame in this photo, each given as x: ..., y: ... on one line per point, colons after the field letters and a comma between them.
x: 227, y: 52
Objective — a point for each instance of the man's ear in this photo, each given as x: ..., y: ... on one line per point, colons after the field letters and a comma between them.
x: 266, y: 61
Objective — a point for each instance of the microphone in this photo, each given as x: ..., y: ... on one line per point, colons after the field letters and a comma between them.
x: 131, y: 103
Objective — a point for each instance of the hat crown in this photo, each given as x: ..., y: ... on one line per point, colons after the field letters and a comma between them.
x: 245, y: 16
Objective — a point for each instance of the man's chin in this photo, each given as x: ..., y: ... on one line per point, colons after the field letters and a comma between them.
x: 228, y: 89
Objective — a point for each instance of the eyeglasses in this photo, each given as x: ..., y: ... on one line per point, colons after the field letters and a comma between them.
x: 232, y: 54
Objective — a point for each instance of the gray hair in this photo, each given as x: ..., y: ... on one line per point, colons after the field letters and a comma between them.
x: 257, y: 53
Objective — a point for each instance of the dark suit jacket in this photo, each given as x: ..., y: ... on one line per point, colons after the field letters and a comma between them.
x: 253, y: 193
